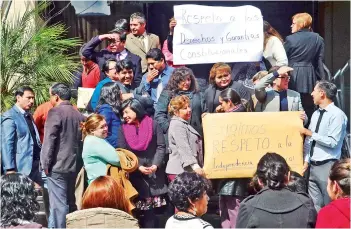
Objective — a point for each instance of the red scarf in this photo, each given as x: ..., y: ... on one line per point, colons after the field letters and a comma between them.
x: 139, y: 140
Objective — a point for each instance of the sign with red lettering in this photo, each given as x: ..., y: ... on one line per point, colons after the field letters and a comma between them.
x: 235, y: 142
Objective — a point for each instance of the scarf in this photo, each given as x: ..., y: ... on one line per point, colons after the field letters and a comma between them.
x: 139, y: 141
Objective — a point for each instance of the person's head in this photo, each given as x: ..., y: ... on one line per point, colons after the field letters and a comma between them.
x: 269, y: 31
x: 137, y: 23
x: 125, y: 71
x: 132, y: 111
x: 59, y: 92
x: 155, y: 59
x: 220, y: 75
x: 105, y: 192
x: 18, y: 199
x: 258, y: 76
x: 324, y: 92
x: 339, y: 179
x: 301, y: 21
x: 188, y: 193
x: 122, y: 26
x: 297, y: 183
x: 182, y: 79
x: 86, y: 61
x: 272, y: 171
x: 180, y: 106
x: 281, y: 83
x: 229, y: 98
x: 110, y: 94
x: 94, y: 125
x: 110, y: 69
x: 24, y: 97
x: 117, y: 44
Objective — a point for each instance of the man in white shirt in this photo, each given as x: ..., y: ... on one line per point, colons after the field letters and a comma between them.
x: 324, y: 138
x: 139, y: 41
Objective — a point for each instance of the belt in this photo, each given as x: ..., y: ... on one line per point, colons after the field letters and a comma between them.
x: 318, y: 163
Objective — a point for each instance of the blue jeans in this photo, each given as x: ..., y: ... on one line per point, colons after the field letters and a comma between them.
x: 62, y: 200
x: 49, y: 216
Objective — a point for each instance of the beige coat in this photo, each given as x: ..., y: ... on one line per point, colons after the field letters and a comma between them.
x: 100, y: 218
x: 135, y: 46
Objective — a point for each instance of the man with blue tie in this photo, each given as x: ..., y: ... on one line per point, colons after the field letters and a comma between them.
x: 324, y: 138
x: 20, y: 142
x: 157, y: 76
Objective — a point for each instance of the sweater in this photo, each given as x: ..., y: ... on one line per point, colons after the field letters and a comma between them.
x: 335, y: 215
x: 192, y: 222
x: 97, y: 153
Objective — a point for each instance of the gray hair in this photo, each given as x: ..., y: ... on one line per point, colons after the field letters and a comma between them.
x: 329, y: 88
x: 139, y: 16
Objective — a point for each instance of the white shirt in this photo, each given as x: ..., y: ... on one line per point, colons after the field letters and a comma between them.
x: 275, y: 52
x: 146, y: 41
x: 187, y: 222
x: 122, y: 55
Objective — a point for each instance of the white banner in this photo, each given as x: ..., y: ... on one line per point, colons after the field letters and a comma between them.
x: 211, y: 34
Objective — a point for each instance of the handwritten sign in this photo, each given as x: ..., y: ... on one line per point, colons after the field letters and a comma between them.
x: 84, y: 96
x: 235, y: 142
x: 211, y: 34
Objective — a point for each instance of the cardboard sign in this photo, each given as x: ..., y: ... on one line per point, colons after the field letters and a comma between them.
x: 84, y: 96
x: 235, y: 142
x: 211, y: 34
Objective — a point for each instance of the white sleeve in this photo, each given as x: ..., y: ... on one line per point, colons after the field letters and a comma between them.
x: 278, y: 51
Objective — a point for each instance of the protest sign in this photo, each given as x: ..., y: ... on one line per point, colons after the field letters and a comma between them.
x: 84, y: 96
x: 211, y: 34
x: 235, y: 142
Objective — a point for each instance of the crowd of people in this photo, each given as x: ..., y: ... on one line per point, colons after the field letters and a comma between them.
x: 140, y: 152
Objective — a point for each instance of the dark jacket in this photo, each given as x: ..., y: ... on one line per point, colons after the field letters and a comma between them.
x: 335, y: 215
x: 210, y: 94
x: 155, y: 183
x: 236, y: 186
x: 101, y: 56
x: 113, y: 123
x: 277, y: 209
x: 196, y: 104
x: 62, y: 148
x: 142, y: 96
x: 305, y: 51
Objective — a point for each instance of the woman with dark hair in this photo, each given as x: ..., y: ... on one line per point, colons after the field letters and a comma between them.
x: 182, y: 82
x: 275, y: 205
x: 108, y: 106
x: 220, y: 79
x: 144, y: 137
x: 97, y: 152
x: 273, y: 49
x: 104, y: 205
x: 337, y: 213
x: 185, y: 143
x: 230, y: 101
x: 231, y: 191
x: 188, y: 193
x: 18, y: 202
x: 305, y: 51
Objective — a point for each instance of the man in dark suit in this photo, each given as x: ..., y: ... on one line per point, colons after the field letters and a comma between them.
x: 115, y: 50
x: 61, y: 155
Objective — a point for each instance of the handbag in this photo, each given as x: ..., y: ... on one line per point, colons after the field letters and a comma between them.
x: 128, y: 160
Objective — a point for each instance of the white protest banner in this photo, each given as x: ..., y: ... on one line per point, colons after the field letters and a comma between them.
x: 211, y: 34
x: 84, y: 96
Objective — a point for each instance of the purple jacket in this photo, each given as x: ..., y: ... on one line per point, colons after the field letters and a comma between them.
x: 101, y: 56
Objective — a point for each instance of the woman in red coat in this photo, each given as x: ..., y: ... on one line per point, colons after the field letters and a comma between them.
x: 337, y: 213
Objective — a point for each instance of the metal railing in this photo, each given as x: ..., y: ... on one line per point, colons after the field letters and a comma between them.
x: 339, y: 80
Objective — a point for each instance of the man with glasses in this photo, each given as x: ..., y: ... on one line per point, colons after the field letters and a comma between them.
x: 157, y: 76
x: 115, y: 50
x: 280, y: 98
